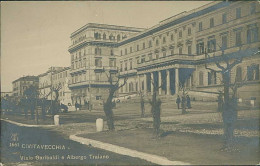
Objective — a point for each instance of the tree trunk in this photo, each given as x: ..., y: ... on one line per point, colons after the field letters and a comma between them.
x: 142, y: 106
x: 156, y: 112
x: 228, y: 114
x: 108, y: 110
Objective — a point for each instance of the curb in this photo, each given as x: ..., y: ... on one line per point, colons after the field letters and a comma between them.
x: 125, y: 151
x: 25, y: 125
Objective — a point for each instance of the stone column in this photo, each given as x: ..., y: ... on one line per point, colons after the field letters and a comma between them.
x: 145, y: 83
x: 176, y: 80
x: 168, y: 86
x: 151, y: 82
x: 160, y: 81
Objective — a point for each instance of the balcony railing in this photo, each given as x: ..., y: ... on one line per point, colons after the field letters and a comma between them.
x: 87, y: 82
x: 167, y: 59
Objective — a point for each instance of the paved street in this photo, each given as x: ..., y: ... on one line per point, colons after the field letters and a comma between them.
x: 34, y: 146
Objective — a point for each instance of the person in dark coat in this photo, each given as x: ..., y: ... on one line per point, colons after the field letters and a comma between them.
x: 188, y: 101
x: 178, y: 101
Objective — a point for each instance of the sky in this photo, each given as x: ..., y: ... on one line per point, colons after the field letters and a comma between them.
x: 36, y: 35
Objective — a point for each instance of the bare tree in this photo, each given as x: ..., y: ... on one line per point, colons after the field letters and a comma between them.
x: 142, y: 103
x: 108, y: 105
x: 156, y: 107
x: 55, y: 105
x: 229, y: 113
x: 184, y: 93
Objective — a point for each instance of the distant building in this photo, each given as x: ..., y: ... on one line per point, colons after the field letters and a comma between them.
x: 5, y: 94
x: 22, y: 83
x: 61, y: 78
x: 54, y: 77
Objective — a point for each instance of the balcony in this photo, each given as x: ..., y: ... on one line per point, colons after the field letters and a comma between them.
x: 181, y: 58
x: 89, y: 82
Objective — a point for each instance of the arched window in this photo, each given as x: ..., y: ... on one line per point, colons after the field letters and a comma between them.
x: 118, y: 38
x: 104, y: 36
x: 201, y: 78
x: 157, y: 42
x: 253, y: 72
x: 111, y: 37
x: 238, y: 74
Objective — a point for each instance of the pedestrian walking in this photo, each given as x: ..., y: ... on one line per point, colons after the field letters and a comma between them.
x: 188, y: 101
x: 178, y: 101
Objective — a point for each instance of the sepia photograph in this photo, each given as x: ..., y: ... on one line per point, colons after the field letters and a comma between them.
x: 130, y: 83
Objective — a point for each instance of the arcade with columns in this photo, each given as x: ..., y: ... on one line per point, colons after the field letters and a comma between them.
x: 166, y: 77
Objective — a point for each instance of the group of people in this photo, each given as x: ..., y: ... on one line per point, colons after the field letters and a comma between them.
x: 184, y: 101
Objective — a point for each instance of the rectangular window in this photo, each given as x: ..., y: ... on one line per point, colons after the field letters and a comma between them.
x: 211, y: 45
x: 180, y: 50
x: 121, y: 67
x: 238, y: 38
x: 252, y: 8
x: 164, y: 40
x: 143, y: 59
x: 112, y: 62
x: 200, y: 26
x: 180, y: 34
x: 172, y: 51
x: 172, y: 37
x: 150, y: 43
x: 200, y: 48
x: 224, y: 42
x: 164, y: 53
x: 121, y: 53
x: 84, y: 62
x: 125, y: 51
x: 238, y: 13
x: 189, y: 50
x: 131, y: 49
x: 131, y: 65
x: 157, y: 55
x: 253, y: 72
x: 252, y: 35
x: 212, y: 78
x: 211, y: 22
x: 224, y: 18
x: 150, y: 57
x: 189, y: 31
x: 98, y: 62
x: 137, y: 47
x: 125, y: 66
x: 143, y: 45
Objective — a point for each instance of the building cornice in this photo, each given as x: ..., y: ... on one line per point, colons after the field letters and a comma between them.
x: 107, y: 27
x: 188, y: 16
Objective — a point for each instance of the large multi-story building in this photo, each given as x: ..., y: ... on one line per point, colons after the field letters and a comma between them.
x: 55, y: 77
x: 61, y: 79
x: 93, y: 53
x: 173, y: 51
x: 22, y: 83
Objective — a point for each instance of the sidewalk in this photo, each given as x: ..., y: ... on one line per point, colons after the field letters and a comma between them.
x: 125, y: 151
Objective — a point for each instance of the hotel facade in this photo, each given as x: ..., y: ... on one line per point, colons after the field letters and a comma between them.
x: 172, y: 51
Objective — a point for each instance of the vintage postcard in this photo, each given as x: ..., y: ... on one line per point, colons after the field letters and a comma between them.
x: 130, y: 83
